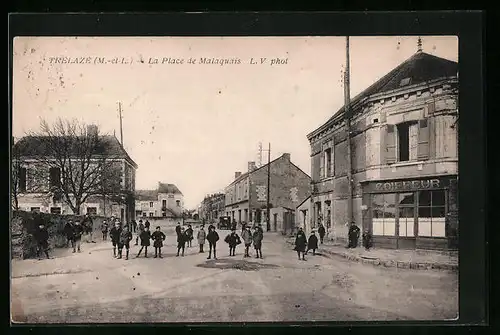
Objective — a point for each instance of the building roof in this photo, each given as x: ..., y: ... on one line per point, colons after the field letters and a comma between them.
x: 38, y: 146
x: 168, y: 188
x: 419, y: 68
x: 146, y: 195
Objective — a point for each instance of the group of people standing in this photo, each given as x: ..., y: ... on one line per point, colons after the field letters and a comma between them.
x: 249, y: 237
x: 74, y: 231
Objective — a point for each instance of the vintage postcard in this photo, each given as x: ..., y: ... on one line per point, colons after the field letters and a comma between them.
x: 234, y: 179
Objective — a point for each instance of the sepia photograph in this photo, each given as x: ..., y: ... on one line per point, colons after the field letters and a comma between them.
x: 234, y: 179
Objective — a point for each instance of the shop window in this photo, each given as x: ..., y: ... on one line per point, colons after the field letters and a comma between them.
x: 178, y: 202
x: 431, y: 213
x: 144, y: 214
x: 384, y: 214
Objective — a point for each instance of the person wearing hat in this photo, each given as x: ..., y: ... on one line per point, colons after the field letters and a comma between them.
x: 140, y: 228
x: 258, y: 236
x: 246, y: 235
x: 77, y: 236
x: 125, y: 238
x: 300, y: 243
x: 115, y: 233
x: 367, y: 239
x: 182, y: 238
x: 353, y: 235
x: 145, y: 242
x: 104, y: 230
x: 321, y: 232
x: 68, y: 232
x: 312, y: 243
x: 201, y: 236
x: 212, y: 238
x: 88, y: 225
x: 41, y: 236
x: 189, y: 236
x: 233, y: 240
x: 158, y: 238
x: 178, y: 229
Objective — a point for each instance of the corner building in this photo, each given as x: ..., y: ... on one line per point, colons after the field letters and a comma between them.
x: 404, y: 146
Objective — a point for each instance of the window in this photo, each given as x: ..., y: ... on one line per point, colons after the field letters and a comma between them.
x: 328, y: 162
x: 383, y: 211
x: 164, y: 203
x: 151, y: 204
x: 431, y: 213
x: 35, y: 209
x: 405, y: 81
x: 406, y: 213
x: 178, y: 202
x: 55, y: 210
x: 92, y: 210
x: 407, y: 141
x: 144, y: 214
x: 55, y: 177
x: 151, y: 214
x: 22, y: 179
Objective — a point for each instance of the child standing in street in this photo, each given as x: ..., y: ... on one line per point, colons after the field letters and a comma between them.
x: 212, y: 238
x: 258, y: 236
x: 300, y: 243
x: 145, y: 236
x: 42, y: 240
x: 201, y: 238
x: 77, y: 236
x: 115, y: 233
x: 104, y: 230
x: 181, y: 241
x: 312, y: 243
x: 189, y: 236
x: 246, y: 235
x: 233, y: 240
x: 125, y: 238
x: 158, y: 238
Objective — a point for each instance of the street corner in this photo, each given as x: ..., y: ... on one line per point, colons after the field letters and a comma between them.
x: 236, y: 264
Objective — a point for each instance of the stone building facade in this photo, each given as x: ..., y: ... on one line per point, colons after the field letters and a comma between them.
x: 167, y: 201
x: 213, y: 207
x: 246, y: 196
x: 404, y: 151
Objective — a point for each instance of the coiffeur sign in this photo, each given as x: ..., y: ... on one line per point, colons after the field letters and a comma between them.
x: 407, y: 185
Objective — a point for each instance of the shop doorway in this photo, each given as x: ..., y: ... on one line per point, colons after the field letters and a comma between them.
x: 406, y: 218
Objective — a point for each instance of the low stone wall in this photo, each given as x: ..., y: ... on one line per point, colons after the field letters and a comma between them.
x: 23, y: 226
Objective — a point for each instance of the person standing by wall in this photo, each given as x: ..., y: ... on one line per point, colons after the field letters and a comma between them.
x: 246, y: 235
x: 321, y: 232
x: 158, y: 238
x: 145, y: 242
x: 41, y: 236
x: 77, y: 236
x: 300, y: 243
x: 202, y: 235
x: 88, y: 223
x: 115, y: 233
x: 353, y: 235
x: 212, y: 238
x: 104, y: 230
x: 367, y: 239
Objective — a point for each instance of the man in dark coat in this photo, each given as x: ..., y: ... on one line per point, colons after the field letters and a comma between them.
x: 125, y: 238
x: 104, y: 230
x: 77, y: 236
x: 189, y: 235
x: 145, y: 236
x: 300, y: 243
x: 312, y: 243
x: 147, y: 224
x: 353, y: 235
x: 41, y: 236
x: 367, y: 239
x: 233, y: 240
x: 321, y: 232
x: 68, y: 232
x: 212, y: 238
x: 115, y: 233
x: 158, y: 238
x: 257, y: 237
x: 178, y: 228
x: 140, y: 228
x: 181, y: 241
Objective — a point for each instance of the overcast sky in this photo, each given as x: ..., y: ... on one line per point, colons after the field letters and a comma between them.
x: 194, y: 125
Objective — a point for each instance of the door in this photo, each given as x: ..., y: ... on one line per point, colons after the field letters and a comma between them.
x: 275, y: 222
x: 406, y: 221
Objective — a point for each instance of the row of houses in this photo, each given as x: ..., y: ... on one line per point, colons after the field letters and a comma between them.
x: 404, y: 166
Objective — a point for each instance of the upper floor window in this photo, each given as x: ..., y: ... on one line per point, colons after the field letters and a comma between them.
x: 55, y: 176
x: 164, y: 203
x: 326, y: 163
x: 21, y: 179
x: 407, y: 141
x: 178, y: 202
x: 150, y: 204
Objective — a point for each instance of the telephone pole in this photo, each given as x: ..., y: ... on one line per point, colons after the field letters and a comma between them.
x: 347, y: 116
x: 121, y: 125
x: 268, y: 214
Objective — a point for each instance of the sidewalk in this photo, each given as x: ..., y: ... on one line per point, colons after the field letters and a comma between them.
x: 400, y: 258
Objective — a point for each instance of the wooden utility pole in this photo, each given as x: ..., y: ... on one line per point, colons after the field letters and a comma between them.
x: 121, y: 125
x: 268, y: 213
x: 347, y: 116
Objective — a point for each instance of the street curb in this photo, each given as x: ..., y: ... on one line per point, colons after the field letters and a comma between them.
x: 391, y: 263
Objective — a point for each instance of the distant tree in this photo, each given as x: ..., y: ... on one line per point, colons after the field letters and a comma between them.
x: 86, y: 165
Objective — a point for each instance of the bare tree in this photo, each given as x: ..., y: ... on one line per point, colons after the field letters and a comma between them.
x: 82, y: 159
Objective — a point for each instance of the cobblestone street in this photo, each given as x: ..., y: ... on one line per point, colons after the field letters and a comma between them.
x: 94, y: 287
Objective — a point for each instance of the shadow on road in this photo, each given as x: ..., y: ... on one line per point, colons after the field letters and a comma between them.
x: 236, y: 264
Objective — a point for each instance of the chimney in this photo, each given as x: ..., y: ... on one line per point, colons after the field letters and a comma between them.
x: 92, y: 130
x: 286, y: 156
x: 237, y: 175
x: 251, y: 166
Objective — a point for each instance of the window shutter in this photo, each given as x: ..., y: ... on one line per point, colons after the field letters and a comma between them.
x: 322, y: 164
x: 332, y: 166
x: 390, y: 144
x: 431, y: 107
x: 423, y: 140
